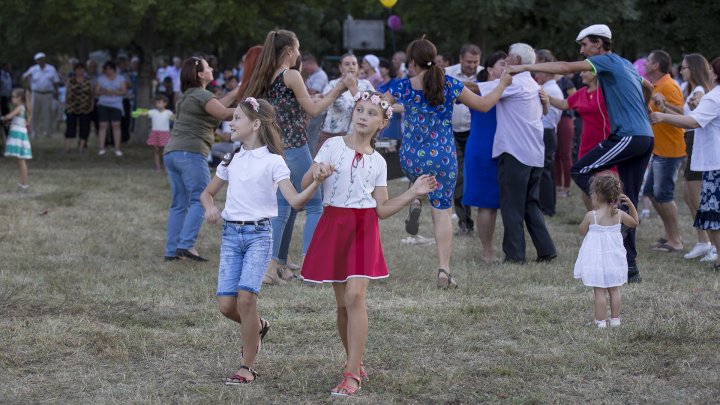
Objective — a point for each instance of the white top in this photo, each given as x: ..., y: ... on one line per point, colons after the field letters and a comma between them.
x: 356, y: 176
x: 706, y: 146
x: 160, y: 119
x: 552, y: 118
x: 461, y: 113
x: 697, y: 89
x: 601, y: 261
x: 317, y: 81
x: 340, y: 112
x: 42, y: 80
x: 519, y: 120
x: 253, y: 177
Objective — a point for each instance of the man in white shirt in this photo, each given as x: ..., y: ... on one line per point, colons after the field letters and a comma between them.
x: 161, y: 73
x: 465, y: 71
x: 44, y: 84
x: 316, y: 81
x: 550, y: 122
x: 519, y: 148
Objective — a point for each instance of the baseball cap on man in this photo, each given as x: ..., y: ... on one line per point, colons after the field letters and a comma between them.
x: 39, y: 55
x: 600, y: 30
x: 373, y: 61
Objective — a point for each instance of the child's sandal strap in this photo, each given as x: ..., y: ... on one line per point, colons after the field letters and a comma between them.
x: 252, y: 370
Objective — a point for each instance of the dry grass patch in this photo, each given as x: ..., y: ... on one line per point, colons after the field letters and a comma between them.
x: 91, y: 313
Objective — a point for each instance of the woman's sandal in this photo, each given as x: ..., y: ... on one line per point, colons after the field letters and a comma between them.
x: 238, y: 379
x: 264, y: 328
x: 412, y: 222
x: 286, y: 274
x: 363, y: 373
x: 445, y: 283
x: 273, y: 279
x: 344, y: 389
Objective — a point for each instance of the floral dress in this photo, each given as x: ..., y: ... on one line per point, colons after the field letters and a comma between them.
x: 290, y: 115
x: 428, y: 146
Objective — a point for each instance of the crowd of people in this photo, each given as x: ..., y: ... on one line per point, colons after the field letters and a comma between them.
x: 480, y: 135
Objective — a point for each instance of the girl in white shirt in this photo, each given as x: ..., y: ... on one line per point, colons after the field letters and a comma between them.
x: 160, y: 130
x: 345, y: 249
x: 254, y: 172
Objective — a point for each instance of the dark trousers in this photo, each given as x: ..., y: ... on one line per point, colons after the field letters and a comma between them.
x: 125, y: 121
x: 519, y: 195
x: 462, y: 211
x: 75, y: 122
x: 547, y: 181
x: 631, y: 155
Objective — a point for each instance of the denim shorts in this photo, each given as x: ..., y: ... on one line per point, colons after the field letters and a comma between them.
x: 244, y: 256
x: 662, y: 173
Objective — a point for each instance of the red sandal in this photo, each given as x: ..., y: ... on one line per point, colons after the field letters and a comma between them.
x: 238, y: 379
x: 344, y: 389
x: 363, y: 374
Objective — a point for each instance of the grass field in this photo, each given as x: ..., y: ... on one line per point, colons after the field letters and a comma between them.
x: 91, y: 313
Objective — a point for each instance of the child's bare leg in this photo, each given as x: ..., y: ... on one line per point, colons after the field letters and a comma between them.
x: 229, y: 308
x: 158, y: 165
x: 615, y: 300
x: 600, y: 304
x: 357, y: 328
x: 22, y: 168
x: 342, y: 314
x: 247, y: 308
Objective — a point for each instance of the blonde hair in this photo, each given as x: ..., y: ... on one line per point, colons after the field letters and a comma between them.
x: 379, y: 105
x: 607, y: 187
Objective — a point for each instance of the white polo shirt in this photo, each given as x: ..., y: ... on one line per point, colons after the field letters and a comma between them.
x: 42, y: 80
x: 253, y: 177
x: 461, y: 113
x: 706, y: 147
x: 519, y: 120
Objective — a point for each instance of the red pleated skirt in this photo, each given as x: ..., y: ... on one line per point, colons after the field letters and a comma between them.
x: 346, y: 244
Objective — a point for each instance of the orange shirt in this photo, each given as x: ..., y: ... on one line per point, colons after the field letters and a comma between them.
x: 669, y: 140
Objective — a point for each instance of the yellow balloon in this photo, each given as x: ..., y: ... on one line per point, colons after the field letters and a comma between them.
x: 388, y: 3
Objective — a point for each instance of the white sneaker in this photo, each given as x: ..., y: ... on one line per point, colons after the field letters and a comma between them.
x: 614, y: 322
x: 699, y: 250
x: 600, y: 324
x: 645, y: 213
x: 101, y: 152
x: 710, y: 257
x: 118, y: 152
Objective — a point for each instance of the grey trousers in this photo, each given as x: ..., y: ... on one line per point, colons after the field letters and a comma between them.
x: 42, y: 114
x: 519, y: 205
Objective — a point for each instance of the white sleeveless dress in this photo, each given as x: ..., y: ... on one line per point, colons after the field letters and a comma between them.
x: 602, y: 258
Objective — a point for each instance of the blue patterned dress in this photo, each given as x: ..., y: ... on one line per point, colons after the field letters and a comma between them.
x: 428, y: 146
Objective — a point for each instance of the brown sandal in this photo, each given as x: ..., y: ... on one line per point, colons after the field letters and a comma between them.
x: 446, y: 283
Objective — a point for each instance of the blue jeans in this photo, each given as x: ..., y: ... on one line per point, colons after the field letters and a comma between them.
x: 298, y: 161
x: 662, y: 174
x: 189, y: 175
x: 244, y: 257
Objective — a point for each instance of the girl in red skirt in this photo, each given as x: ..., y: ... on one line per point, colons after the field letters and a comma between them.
x: 160, y: 132
x: 345, y: 248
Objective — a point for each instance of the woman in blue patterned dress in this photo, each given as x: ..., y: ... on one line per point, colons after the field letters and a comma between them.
x: 428, y: 145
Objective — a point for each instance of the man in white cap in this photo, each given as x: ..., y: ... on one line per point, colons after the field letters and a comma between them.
x: 371, y: 67
x: 631, y: 139
x: 44, y: 83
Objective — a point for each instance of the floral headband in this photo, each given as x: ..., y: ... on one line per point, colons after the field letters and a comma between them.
x: 375, y: 99
x: 253, y: 103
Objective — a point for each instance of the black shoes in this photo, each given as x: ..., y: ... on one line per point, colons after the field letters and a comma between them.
x: 634, y: 279
x: 545, y: 258
x: 186, y: 254
x: 171, y: 258
x: 412, y: 222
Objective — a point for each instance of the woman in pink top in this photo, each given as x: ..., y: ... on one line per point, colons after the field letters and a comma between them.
x: 589, y: 103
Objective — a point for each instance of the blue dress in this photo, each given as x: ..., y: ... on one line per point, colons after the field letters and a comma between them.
x: 394, y: 127
x: 481, y: 181
x: 428, y: 146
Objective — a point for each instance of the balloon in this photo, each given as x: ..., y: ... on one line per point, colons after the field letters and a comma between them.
x: 394, y: 22
x: 388, y: 3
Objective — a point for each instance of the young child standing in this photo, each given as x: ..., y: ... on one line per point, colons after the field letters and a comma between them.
x: 18, y: 142
x: 345, y: 249
x: 601, y: 262
x: 254, y: 172
x: 160, y: 130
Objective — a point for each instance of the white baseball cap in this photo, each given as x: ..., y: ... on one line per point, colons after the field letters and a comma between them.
x: 373, y: 61
x: 600, y: 30
x: 39, y: 55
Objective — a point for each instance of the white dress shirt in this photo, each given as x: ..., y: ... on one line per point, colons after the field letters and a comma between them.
x: 519, y: 120
x: 552, y: 118
x: 461, y: 113
x: 42, y: 79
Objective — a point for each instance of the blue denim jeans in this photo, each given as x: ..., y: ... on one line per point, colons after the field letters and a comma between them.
x: 244, y: 257
x: 662, y: 174
x: 189, y: 175
x: 298, y: 161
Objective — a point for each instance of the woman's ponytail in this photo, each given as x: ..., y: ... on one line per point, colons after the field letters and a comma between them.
x: 423, y: 52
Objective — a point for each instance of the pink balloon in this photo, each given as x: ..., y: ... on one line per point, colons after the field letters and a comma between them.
x: 394, y: 22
